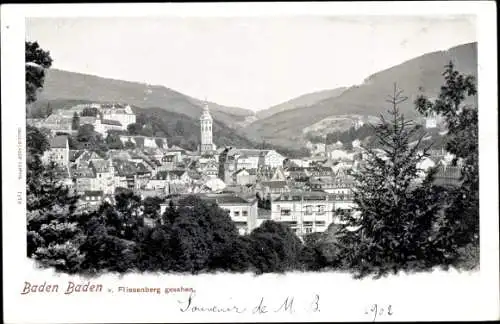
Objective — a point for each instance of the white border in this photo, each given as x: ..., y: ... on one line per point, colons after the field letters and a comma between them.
x: 438, y: 296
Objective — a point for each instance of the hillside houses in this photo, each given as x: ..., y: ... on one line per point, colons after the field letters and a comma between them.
x: 144, y: 141
x: 305, y: 194
x: 103, y: 117
x: 244, y: 177
x: 272, y: 189
x: 58, y: 151
x: 253, y: 159
x: 57, y: 123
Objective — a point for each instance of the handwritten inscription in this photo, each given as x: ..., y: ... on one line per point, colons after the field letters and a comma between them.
x: 288, y: 305
x: 376, y: 310
x: 190, y: 306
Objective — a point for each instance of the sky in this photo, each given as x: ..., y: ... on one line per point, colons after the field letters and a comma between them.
x: 253, y: 62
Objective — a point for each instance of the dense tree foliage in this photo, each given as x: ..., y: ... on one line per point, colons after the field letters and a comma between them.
x: 462, y: 222
x: 37, y: 61
x: 274, y: 248
x: 52, y: 234
x: 113, y: 141
x: 350, y: 134
x: 36, y: 141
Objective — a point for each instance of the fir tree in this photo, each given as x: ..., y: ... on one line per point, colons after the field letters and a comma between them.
x: 395, y: 213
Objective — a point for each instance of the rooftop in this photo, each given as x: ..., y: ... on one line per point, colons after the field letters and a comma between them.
x: 93, y: 193
x: 83, y: 173
x: 100, y: 165
x: 313, y: 195
x: 59, y: 142
x: 225, y: 199
x: 274, y: 184
x: 249, y: 171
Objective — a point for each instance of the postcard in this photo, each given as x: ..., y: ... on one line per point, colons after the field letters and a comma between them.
x: 250, y: 162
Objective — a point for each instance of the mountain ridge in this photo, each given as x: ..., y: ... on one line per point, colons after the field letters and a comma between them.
x: 301, y: 101
x: 368, y: 99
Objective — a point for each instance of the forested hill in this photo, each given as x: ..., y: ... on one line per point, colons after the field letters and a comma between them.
x: 67, y: 85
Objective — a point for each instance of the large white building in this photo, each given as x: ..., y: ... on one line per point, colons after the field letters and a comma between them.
x: 308, y: 212
x: 206, y: 121
x: 124, y: 115
x: 105, y: 125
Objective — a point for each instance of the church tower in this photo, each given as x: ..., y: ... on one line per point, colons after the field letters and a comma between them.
x: 206, y: 130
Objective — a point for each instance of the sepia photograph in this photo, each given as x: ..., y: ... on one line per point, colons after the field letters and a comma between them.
x: 237, y: 146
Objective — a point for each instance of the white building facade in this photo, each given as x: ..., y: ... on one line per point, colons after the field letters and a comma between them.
x: 309, y: 212
x: 273, y: 159
x: 123, y: 115
x: 58, y: 151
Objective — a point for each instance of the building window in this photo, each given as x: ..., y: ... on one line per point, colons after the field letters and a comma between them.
x: 236, y: 213
x: 285, y: 212
x: 308, y: 210
x: 245, y: 213
x: 321, y: 209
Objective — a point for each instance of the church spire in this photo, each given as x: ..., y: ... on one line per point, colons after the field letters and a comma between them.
x: 206, y: 111
x: 206, y: 129
x: 205, y: 105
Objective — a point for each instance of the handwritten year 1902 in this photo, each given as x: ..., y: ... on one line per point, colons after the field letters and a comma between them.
x: 379, y: 310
